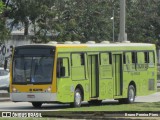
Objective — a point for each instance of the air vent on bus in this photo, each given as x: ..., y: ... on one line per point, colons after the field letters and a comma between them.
x: 126, y: 41
x: 52, y: 42
x: 68, y: 42
x: 90, y: 42
x: 76, y: 42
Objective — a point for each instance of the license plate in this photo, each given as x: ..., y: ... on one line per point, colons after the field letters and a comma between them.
x: 30, y: 96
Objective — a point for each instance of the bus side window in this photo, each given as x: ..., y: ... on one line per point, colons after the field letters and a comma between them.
x: 134, y: 60
x: 134, y: 57
x: 127, y: 58
x: 151, y: 59
x: 62, y: 67
x: 78, y: 59
x: 124, y: 58
x: 78, y: 68
x: 146, y: 57
x: 106, y: 58
x: 82, y: 59
x: 140, y: 58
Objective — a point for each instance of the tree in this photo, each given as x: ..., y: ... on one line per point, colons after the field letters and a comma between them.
x: 142, y: 20
x: 86, y: 20
x: 4, y: 33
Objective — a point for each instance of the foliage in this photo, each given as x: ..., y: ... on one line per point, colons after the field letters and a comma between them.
x: 141, y: 20
x: 87, y: 19
x: 3, y: 30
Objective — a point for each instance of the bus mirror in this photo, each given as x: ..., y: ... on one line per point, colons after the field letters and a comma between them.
x: 62, y: 71
x: 5, y: 64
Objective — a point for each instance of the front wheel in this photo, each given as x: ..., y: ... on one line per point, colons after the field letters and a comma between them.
x: 77, y: 98
x: 37, y: 104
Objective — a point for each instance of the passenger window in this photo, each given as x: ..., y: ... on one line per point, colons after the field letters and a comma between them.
x: 63, y: 67
x: 151, y: 59
x: 124, y: 58
x: 127, y: 58
x: 146, y: 57
x: 82, y: 59
x: 134, y: 57
x: 78, y: 59
x: 140, y: 57
x: 78, y: 69
x: 106, y: 58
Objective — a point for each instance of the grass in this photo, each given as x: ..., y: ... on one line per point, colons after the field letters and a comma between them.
x: 112, y: 109
x: 119, y: 107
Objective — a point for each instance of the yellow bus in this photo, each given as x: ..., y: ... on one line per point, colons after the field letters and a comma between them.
x: 75, y: 72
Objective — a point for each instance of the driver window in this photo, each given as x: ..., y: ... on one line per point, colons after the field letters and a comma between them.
x: 63, y: 67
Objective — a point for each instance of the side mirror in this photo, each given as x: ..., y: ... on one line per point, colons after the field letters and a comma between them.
x: 5, y: 64
x: 62, y: 71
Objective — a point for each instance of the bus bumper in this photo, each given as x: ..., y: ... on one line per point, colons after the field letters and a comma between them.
x: 33, y: 97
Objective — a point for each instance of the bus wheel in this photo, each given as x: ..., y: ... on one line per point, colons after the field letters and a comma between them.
x: 37, y: 104
x: 77, y: 98
x: 131, y: 94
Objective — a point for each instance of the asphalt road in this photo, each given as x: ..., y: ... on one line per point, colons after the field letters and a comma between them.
x: 26, y: 106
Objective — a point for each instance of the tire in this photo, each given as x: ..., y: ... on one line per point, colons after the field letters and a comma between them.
x: 131, y: 94
x: 122, y: 101
x: 77, y: 98
x: 37, y: 104
x: 95, y: 102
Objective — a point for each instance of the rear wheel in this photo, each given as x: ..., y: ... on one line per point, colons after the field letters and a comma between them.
x: 37, y: 104
x: 131, y: 94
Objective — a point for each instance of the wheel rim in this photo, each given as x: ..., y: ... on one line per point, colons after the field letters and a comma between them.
x: 78, y: 98
x: 131, y: 95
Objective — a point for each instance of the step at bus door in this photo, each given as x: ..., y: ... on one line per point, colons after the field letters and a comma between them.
x: 118, y: 74
x: 93, y: 75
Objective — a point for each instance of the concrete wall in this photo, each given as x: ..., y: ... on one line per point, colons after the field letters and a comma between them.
x: 6, y: 48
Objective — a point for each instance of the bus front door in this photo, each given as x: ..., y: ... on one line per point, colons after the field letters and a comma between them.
x: 118, y: 74
x: 93, y: 75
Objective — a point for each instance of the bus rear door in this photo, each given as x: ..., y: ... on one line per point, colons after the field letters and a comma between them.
x: 93, y: 75
x: 118, y: 74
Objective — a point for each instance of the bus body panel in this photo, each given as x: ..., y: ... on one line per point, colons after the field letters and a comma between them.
x: 33, y: 97
x: 113, y: 67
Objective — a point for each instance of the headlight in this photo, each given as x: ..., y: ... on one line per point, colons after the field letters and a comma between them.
x: 14, y: 89
x: 48, y: 89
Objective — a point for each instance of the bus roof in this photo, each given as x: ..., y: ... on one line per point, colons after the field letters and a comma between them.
x: 104, y: 45
x: 87, y: 45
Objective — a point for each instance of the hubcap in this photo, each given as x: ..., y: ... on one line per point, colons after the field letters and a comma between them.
x: 131, y: 95
x: 78, y: 98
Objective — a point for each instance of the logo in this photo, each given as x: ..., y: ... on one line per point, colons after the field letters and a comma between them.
x: 6, y: 114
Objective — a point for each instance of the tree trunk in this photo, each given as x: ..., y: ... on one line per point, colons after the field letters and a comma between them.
x: 26, y: 25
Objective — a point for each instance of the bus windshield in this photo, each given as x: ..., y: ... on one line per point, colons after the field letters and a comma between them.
x: 32, y: 70
x: 33, y: 65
